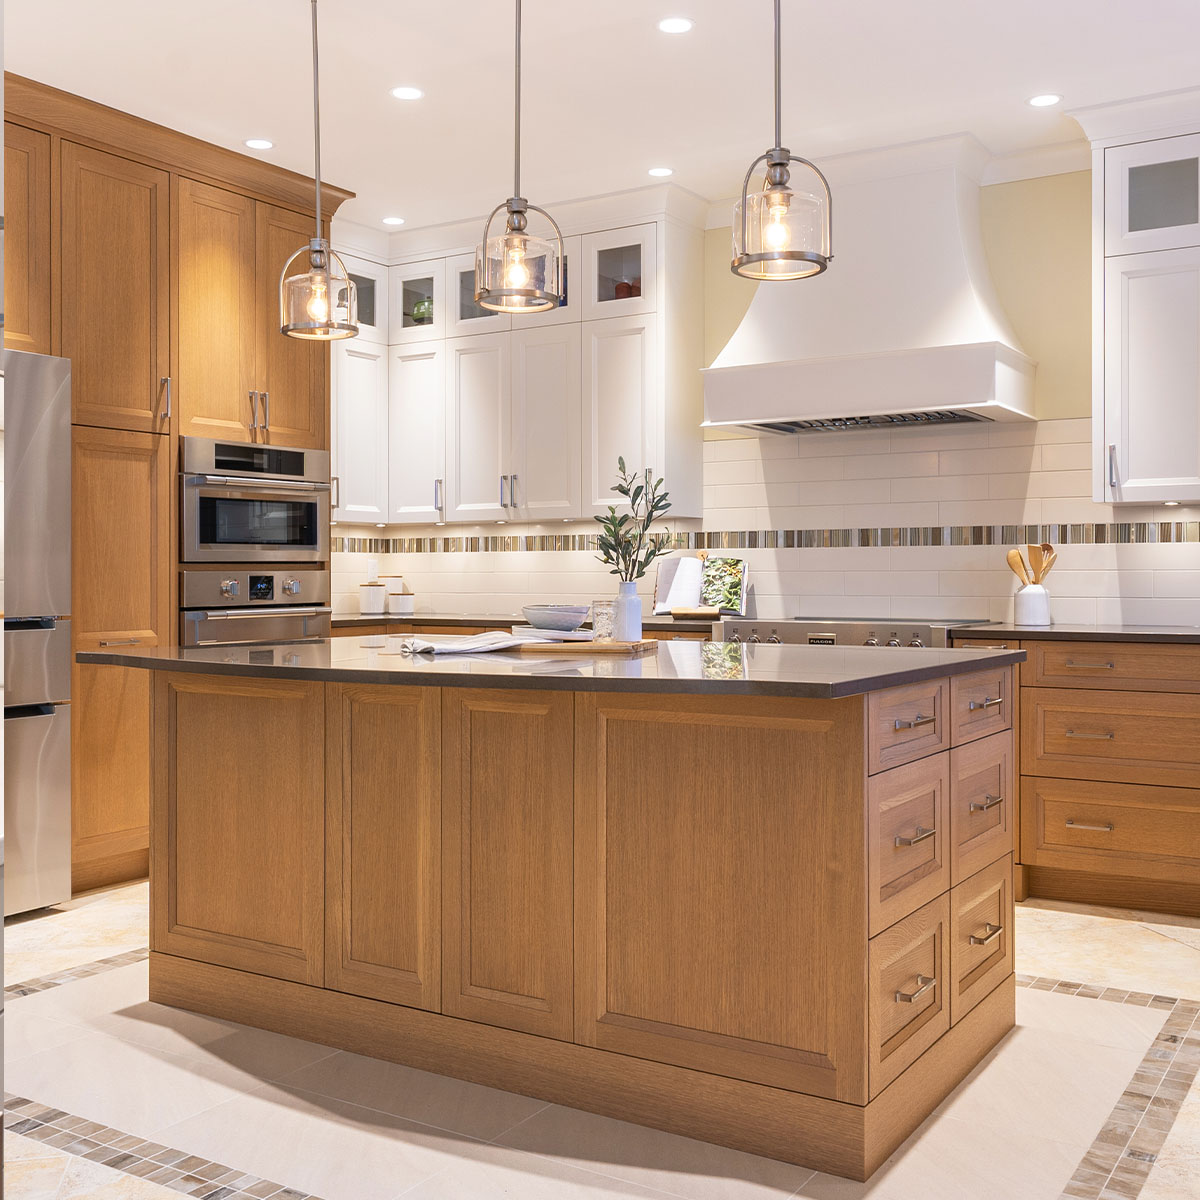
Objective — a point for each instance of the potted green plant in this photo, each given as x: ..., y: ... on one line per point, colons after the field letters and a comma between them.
x: 627, y: 545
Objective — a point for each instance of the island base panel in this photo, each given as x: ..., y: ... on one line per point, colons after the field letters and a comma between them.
x: 1117, y: 891
x: 842, y: 1139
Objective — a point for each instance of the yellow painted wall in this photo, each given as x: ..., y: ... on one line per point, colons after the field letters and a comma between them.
x: 1037, y: 234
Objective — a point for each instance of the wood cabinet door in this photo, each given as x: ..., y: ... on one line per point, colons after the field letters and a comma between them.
x: 707, y: 933
x: 237, y: 875
x: 212, y: 310
x: 383, y: 843
x: 26, y: 239
x: 115, y: 289
x: 507, y: 818
x: 292, y: 374
x: 120, y: 538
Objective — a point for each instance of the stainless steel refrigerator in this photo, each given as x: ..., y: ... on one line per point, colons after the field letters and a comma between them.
x: 37, y: 631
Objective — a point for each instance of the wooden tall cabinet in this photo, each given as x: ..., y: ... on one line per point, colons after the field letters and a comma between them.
x: 26, y: 239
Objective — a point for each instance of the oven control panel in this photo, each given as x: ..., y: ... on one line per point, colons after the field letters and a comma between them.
x: 223, y: 588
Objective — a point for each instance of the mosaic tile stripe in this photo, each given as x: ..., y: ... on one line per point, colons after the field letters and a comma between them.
x: 1080, y: 534
x: 71, y: 974
x: 132, y: 1155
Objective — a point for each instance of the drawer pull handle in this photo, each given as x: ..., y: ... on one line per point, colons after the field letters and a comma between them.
x: 991, y: 933
x: 917, y: 721
x: 1091, y: 737
x: 123, y: 642
x: 924, y: 983
x: 986, y: 702
x: 1108, y: 828
x: 1088, y: 666
x: 989, y: 802
x: 920, y: 836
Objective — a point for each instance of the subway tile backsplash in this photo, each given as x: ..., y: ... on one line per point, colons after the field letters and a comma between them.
x: 862, y: 524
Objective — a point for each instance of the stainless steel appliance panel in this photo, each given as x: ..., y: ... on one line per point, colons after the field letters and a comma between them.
x: 37, y: 806
x: 37, y: 660
x: 247, y: 460
x: 245, y: 626
x: 241, y: 520
x: 245, y: 589
x: 37, y: 484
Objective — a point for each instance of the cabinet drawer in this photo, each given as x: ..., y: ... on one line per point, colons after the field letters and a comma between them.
x: 1114, y: 666
x: 980, y: 704
x: 1120, y: 737
x: 906, y: 723
x: 909, y: 837
x: 981, y: 941
x: 909, y: 1006
x: 1111, y: 828
x: 983, y: 802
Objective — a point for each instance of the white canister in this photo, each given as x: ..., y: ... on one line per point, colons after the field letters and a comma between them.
x: 400, y: 604
x: 371, y: 598
x: 1032, y: 605
x: 394, y: 584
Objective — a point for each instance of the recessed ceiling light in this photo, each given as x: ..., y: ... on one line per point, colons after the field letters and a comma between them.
x: 1045, y: 101
x: 393, y: 220
x: 660, y: 172
x: 675, y: 25
x: 407, y: 93
x: 258, y: 144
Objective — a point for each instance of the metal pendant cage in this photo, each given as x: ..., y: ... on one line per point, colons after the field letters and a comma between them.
x: 516, y: 271
x: 782, y: 231
x: 320, y: 304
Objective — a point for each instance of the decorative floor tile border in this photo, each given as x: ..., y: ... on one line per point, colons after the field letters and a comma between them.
x: 28, y: 986
x: 1126, y: 1148
x: 132, y: 1155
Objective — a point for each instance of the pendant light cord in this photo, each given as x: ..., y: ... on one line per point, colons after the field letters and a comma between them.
x: 516, y: 111
x: 317, y: 115
x: 778, y: 92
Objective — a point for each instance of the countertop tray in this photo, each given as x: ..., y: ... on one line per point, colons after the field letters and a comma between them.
x: 629, y: 649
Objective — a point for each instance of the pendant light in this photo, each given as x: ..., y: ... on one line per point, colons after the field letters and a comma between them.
x: 784, y: 231
x: 320, y: 304
x: 516, y: 272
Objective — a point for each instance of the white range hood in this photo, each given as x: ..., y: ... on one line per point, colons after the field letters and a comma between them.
x: 904, y: 329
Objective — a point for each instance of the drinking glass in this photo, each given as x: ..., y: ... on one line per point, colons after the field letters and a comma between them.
x: 604, y: 616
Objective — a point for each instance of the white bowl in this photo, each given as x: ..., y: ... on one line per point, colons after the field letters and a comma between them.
x: 565, y: 617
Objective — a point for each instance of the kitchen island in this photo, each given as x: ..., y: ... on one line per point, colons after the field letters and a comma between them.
x: 759, y: 895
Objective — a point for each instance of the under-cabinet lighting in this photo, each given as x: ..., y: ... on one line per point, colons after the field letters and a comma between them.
x: 1171, y: 503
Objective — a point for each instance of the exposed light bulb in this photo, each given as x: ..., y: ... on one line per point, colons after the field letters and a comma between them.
x: 318, y: 302
x: 778, y: 233
x: 516, y: 273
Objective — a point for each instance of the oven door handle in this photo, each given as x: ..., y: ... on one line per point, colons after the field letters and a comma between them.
x: 243, y: 614
x: 255, y: 481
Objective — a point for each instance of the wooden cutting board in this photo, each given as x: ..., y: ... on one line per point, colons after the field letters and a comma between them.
x: 629, y: 649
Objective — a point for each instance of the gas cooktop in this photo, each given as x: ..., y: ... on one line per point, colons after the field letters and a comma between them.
x: 838, y: 631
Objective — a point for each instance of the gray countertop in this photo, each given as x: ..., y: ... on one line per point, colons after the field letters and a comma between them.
x: 693, y: 667
x: 1082, y: 633
x: 505, y: 620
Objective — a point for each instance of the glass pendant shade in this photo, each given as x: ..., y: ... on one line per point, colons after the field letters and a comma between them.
x: 782, y: 232
x: 320, y: 304
x: 517, y: 272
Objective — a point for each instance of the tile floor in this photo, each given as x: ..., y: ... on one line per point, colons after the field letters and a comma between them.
x: 182, y: 1103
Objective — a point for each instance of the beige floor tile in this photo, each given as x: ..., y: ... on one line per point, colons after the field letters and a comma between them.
x: 89, y: 1001
x: 452, y: 1104
x: 28, y: 1033
x: 33, y: 1178
x: 17, y: 1147
x: 85, y: 1180
x: 1178, y: 1162
x: 651, y: 1158
x: 1120, y: 1025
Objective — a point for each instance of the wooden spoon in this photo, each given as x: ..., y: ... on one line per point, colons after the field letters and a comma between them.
x: 1050, y: 557
x: 1035, y: 562
x: 1017, y: 565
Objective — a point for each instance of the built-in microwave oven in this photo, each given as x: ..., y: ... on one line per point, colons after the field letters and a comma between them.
x: 243, y: 502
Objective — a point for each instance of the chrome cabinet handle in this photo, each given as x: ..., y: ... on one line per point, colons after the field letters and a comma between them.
x: 503, y: 481
x: 437, y: 494
x: 1112, y: 465
x: 336, y: 483
x: 266, y: 410
x: 916, y: 722
x: 991, y: 933
x: 253, y: 411
x: 989, y: 802
x: 248, y: 614
x: 986, y: 702
x: 1107, y: 828
x: 165, y: 382
x: 1087, y: 666
x: 924, y: 983
x: 1091, y: 737
x: 921, y: 835
x: 123, y: 642
x: 512, y: 491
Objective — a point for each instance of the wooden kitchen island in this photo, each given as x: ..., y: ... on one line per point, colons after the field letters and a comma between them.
x: 759, y: 895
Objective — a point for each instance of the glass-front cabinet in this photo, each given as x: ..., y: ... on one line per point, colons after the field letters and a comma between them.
x: 371, y: 282
x: 417, y: 302
x: 1152, y: 195
x: 620, y: 272
x: 467, y: 317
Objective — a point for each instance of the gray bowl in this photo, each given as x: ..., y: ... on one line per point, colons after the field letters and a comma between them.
x: 563, y: 617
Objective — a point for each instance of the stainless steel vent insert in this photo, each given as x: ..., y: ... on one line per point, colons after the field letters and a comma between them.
x: 879, y: 421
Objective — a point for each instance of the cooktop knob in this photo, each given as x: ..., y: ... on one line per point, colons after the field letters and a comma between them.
x: 754, y: 638
x: 916, y: 642
x: 893, y: 640
x: 229, y: 588
x: 290, y: 587
x: 871, y: 641
x: 775, y: 638
x: 735, y: 636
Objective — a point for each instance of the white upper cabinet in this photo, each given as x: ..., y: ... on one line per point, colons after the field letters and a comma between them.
x: 1151, y: 449
x: 1152, y: 195
x: 466, y: 318
x: 360, y: 431
x: 417, y: 434
x: 371, y: 280
x: 572, y: 307
x: 545, y: 456
x: 478, y: 412
x: 417, y: 302
x: 620, y: 272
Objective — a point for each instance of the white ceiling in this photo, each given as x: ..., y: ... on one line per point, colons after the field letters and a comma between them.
x: 606, y: 95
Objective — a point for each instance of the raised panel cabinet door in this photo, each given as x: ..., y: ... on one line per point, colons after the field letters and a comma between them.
x: 478, y: 418
x: 622, y: 403
x: 706, y: 932
x: 383, y: 843
x: 238, y: 858
x: 1152, y: 376
x: 115, y: 289
x: 507, y: 819
x: 120, y: 538
x: 110, y: 774
x: 547, y: 407
x: 292, y: 375
x: 26, y: 239
x: 417, y: 433
x: 213, y: 310
x: 360, y: 431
